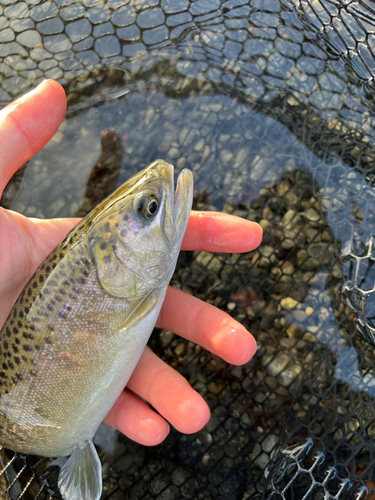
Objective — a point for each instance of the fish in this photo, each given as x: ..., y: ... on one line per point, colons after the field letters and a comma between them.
x: 79, y: 326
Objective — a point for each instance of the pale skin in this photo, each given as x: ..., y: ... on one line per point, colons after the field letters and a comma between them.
x: 26, y: 125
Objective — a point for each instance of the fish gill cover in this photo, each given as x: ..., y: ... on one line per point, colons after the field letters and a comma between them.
x: 271, y: 104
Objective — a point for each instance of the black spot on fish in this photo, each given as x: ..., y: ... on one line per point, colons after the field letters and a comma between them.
x: 35, y: 284
x: 15, y: 330
x: 3, y: 375
x: 42, y: 266
x: 62, y: 315
x: 14, y: 312
x: 41, y: 278
x: 28, y: 335
x: 103, y: 245
x: 17, y: 340
x: 62, y: 291
x: 71, y: 240
x: 48, y: 340
x: 15, y: 348
x: 19, y: 323
x: 19, y: 376
x: 48, y: 269
x: 14, y: 380
x: 33, y: 373
x: 8, y: 332
x: 11, y: 365
x: 24, y: 358
x: 61, y: 255
x: 27, y: 348
x: 20, y: 314
x: 5, y: 366
x: 29, y: 292
x: 17, y: 360
x: 5, y: 344
x: 50, y: 307
x: 11, y: 322
x: 27, y: 309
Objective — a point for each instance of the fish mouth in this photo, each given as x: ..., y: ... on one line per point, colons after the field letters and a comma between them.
x: 183, y: 199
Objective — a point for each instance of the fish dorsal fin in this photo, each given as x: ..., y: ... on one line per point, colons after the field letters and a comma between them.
x: 81, y: 477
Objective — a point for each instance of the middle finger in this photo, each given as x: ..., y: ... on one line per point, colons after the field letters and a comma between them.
x: 207, y: 326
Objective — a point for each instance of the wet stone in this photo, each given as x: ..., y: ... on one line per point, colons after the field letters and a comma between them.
x: 150, y: 18
x: 98, y: 15
x: 107, y: 46
x: 72, y: 12
x: 133, y: 49
x: 10, y: 48
x: 129, y: 33
x: 87, y: 57
x: 288, y: 303
x: 204, y: 6
x: 40, y: 54
x: 78, y: 30
x: 103, y: 29
x: 29, y: 38
x: 3, y: 22
x: 155, y: 35
x: 6, y: 35
x: 280, y: 66
x: 19, y: 10
x: 124, y: 16
x: 44, y: 11
x: 57, y: 43
x: 174, y: 6
x: 85, y: 44
x: 51, y: 26
x: 179, y: 19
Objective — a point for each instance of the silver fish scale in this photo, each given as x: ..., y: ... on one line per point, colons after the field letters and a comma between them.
x: 309, y: 65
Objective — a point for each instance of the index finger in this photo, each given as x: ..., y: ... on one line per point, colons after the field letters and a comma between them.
x: 219, y: 232
x: 27, y: 124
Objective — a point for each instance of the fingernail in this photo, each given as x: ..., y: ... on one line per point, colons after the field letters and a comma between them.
x: 192, y: 415
x: 236, y: 346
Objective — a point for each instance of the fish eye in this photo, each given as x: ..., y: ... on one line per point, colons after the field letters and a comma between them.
x: 146, y: 206
x: 152, y: 207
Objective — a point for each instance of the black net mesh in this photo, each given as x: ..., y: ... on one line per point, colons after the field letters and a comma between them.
x: 270, y: 103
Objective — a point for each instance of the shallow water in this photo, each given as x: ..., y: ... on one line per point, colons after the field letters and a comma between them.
x: 271, y: 105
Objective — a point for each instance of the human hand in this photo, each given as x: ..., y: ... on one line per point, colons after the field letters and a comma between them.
x: 25, y: 127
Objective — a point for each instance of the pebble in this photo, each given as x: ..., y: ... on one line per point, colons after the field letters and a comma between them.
x: 312, y: 215
x: 288, y: 303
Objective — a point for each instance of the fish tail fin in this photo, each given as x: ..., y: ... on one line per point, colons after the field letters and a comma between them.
x: 81, y: 477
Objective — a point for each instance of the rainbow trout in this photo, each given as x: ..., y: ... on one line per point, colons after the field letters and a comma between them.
x: 78, y: 329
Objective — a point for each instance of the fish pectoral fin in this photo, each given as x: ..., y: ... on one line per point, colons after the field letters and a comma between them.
x: 81, y: 477
x: 141, y: 309
x: 17, y: 407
